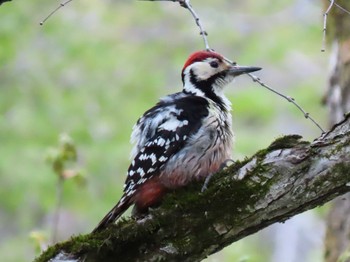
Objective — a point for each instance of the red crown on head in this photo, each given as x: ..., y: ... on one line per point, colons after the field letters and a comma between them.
x: 200, y: 56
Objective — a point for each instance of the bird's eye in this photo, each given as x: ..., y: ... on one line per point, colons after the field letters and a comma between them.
x: 214, y: 64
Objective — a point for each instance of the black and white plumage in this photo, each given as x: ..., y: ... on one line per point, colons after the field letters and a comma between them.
x: 185, y: 137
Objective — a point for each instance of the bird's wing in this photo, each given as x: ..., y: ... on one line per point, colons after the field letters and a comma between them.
x: 162, y: 132
x: 146, y: 127
x: 159, y: 134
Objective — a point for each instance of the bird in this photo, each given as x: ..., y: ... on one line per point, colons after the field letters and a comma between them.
x: 185, y: 137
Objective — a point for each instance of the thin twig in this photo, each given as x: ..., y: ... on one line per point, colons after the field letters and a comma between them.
x: 187, y: 4
x: 56, y: 215
x: 325, y: 15
x: 340, y: 7
x: 288, y: 98
x: 203, y: 33
x: 54, y: 11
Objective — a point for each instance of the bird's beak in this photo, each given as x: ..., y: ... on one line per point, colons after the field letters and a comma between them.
x: 236, y: 70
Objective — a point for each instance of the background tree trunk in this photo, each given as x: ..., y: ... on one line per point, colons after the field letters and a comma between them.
x: 338, y: 102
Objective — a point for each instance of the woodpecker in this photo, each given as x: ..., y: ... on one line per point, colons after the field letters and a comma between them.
x: 185, y: 137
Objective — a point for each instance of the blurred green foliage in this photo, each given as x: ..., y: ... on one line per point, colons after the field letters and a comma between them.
x: 96, y: 66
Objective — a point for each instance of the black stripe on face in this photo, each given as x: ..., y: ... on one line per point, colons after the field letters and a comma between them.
x: 206, y: 86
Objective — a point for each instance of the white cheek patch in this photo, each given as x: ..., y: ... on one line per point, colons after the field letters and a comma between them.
x: 203, y: 71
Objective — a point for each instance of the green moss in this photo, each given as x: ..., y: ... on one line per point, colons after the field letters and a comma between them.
x: 283, y: 142
x: 241, y: 193
x: 224, y: 197
x: 48, y: 254
x: 75, y: 245
x: 343, y: 169
x: 286, y: 142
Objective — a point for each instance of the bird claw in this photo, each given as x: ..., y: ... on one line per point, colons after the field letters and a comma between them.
x: 225, y: 164
x: 206, y: 182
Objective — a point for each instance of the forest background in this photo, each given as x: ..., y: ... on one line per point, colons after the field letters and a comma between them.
x: 96, y: 66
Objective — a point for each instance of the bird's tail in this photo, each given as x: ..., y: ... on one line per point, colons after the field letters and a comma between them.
x: 114, y: 214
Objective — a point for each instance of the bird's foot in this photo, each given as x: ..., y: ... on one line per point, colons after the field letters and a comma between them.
x: 226, y: 164
x: 206, y: 182
x: 223, y: 165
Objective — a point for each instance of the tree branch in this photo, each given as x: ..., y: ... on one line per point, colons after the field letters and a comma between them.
x: 285, y: 179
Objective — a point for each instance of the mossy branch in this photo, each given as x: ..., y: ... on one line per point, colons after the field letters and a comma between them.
x: 285, y: 179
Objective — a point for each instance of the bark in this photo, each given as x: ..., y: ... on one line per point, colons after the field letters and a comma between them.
x: 338, y: 103
x: 287, y: 178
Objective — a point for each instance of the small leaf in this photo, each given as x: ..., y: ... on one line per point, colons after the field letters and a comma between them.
x: 39, y: 239
x: 80, y: 179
